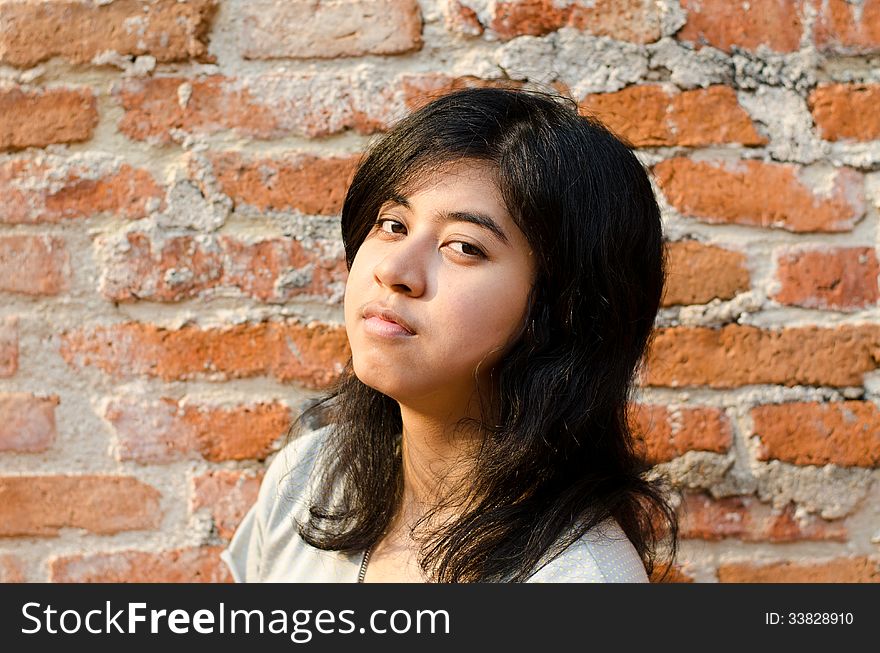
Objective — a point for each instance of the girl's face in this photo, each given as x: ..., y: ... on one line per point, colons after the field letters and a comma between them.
x: 450, y: 262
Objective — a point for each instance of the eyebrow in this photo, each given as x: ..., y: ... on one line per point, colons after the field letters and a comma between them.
x: 473, y: 217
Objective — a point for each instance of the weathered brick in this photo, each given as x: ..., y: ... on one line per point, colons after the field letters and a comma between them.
x: 27, y: 422
x: 626, y: 20
x: 42, y: 505
x: 312, y: 355
x: 228, y: 494
x: 845, y: 433
x: 303, y: 29
x: 747, y: 519
x: 32, y: 31
x: 666, y: 432
x: 37, y: 118
x: 761, y: 194
x: 11, y: 569
x: 136, y: 267
x: 461, y: 19
x: 36, y: 192
x: 34, y: 265
x: 839, y: 570
x: 418, y: 90
x: 651, y: 116
x: 846, y: 27
x: 737, y: 355
x: 673, y: 575
x: 265, y: 107
x: 303, y: 182
x: 167, y: 430
x: 188, y: 565
x: 8, y: 346
x: 846, y: 111
x: 776, y: 24
x: 838, y: 278
x: 698, y: 273
x: 156, y: 106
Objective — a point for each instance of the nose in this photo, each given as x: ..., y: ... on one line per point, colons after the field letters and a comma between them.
x: 404, y: 268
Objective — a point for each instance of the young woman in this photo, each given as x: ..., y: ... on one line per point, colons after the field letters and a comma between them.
x: 505, y: 265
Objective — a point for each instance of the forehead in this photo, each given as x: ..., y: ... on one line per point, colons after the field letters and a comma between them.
x: 461, y: 181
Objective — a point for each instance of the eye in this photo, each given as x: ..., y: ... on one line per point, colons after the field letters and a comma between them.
x: 468, y: 250
x: 381, y: 221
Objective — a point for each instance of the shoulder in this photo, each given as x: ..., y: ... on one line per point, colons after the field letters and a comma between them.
x: 602, y: 555
x: 267, y: 546
x: 290, y: 473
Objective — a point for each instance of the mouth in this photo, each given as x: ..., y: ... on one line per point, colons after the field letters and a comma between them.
x: 385, y: 322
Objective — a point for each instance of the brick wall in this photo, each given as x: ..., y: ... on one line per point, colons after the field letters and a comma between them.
x: 171, y: 270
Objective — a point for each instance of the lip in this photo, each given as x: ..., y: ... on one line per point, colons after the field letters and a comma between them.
x: 383, y: 321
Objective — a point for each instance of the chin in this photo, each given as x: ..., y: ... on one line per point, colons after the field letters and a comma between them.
x: 370, y: 376
x: 403, y: 390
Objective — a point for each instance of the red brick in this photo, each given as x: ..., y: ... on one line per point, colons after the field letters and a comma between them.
x: 264, y: 107
x: 312, y: 355
x: 170, y: 269
x: 153, y: 108
x: 135, y: 267
x: 419, y: 90
x: 42, y: 505
x: 698, y: 273
x: 840, y: 570
x: 188, y: 565
x: 303, y: 182
x: 667, y: 432
x: 37, y: 192
x: 845, y: 27
x: 303, y: 29
x: 462, y: 19
x: 846, y: 111
x: 32, y: 31
x: 27, y: 422
x: 663, y: 574
x: 167, y: 430
x: 761, y: 194
x: 736, y: 355
x: 228, y: 494
x: 11, y: 569
x: 776, y: 24
x: 845, y: 433
x: 747, y: 519
x: 625, y: 20
x: 8, y: 346
x: 36, y: 118
x: 840, y: 278
x: 34, y: 265
x: 651, y: 116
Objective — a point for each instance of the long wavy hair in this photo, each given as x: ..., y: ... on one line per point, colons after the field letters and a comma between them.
x: 558, y: 455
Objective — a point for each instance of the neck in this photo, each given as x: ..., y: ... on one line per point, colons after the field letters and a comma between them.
x: 437, y: 454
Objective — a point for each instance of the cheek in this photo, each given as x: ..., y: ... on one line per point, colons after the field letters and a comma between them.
x: 488, y: 317
x: 355, y: 285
